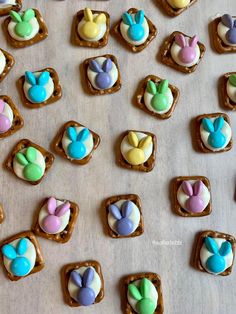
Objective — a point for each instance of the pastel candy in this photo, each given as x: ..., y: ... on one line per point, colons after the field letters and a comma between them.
x: 37, y: 93
x: 20, y: 266
x: 103, y: 80
x: 5, y: 123
x: 216, y: 263
x: 86, y: 296
x: 124, y: 226
x: 51, y: 224
x: 32, y: 172
x: 136, y: 32
x: 76, y: 150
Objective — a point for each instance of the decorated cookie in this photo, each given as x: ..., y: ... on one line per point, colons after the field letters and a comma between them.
x: 21, y: 255
x: 228, y: 90
x: 76, y: 143
x: 124, y: 216
x: 157, y: 97
x: 7, y: 5
x: 138, y: 150
x: 143, y: 294
x: 83, y: 283
x: 102, y: 75
x: 214, y: 133
x: 215, y: 253
x: 40, y: 88
x: 56, y: 219
x: 223, y: 31
x: 176, y: 7
x: 135, y: 30
x: 29, y: 162
x: 2, y: 215
x: 91, y: 28
x: 182, y: 52
x: 25, y: 29
x: 10, y: 118
x: 6, y: 63
x: 192, y: 196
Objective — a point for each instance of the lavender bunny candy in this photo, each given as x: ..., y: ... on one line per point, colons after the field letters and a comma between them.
x: 194, y: 203
x: 187, y: 53
x: 229, y: 22
x: 103, y: 78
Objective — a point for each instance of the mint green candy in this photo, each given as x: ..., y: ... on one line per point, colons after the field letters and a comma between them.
x: 146, y: 306
x: 159, y: 102
x: 23, y: 29
x: 232, y: 80
x: 32, y: 172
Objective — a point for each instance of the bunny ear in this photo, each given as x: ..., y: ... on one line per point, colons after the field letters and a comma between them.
x: 9, y: 251
x: 83, y: 135
x: 76, y: 278
x: 225, y: 248
x: 193, y: 41
x: 134, y: 292
x: 151, y: 87
x: 28, y: 15
x: 107, y: 65
x: 88, y: 277
x: 227, y: 20
x: 95, y: 66
x: 100, y: 18
x: 232, y: 80
x: 43, y: 78
x: 133, y: 139
x: 30, y: 78
x: 2, y: 105
x: 22, y: 246
x: 62, y: 209
x: 52, y: 205
x: 21, y: 159
x: 139, y: 17
x: 187, y: 188
x: 145, y: 142
x: 211, y: 245
x: 31, y: 154
x: 197, y: 187
x: 208, y: 125
x: 127, y: 208
x: 15, y: 17
x: 145, y: 287
x: 180, y: 40
x: 163, y: 87
x: 72, y: 134
x: 219, y: 123
x: 114, y: 211
x: 127, y: 19
x: 88, y: 15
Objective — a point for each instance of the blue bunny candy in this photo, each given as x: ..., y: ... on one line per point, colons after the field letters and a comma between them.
x: 103, y: 78
x: 216, y: 263
x: 124, y: 225
x: 20, y: 265
x: 37, y: 92
x: 77, y: 148
x: 216, y: 138
x: 85, y: 295
x: 135, y: 30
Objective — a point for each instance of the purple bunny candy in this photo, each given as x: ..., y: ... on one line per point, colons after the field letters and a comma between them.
x: 194, y: 203
x: 124, y: 225
x: 103, y: 78
x: 229, y: 22
x: 5, y: 123
x: 187, y: 53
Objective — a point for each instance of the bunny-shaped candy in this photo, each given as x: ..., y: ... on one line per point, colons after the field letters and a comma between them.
x: 77, y: 148
x: 135, y: 30
x: 136, y: 155
x: 5, y: 122
x: 145, y: 304
x: 229, y: 22
x: 216, y: 138
x: 179, y: 4
x: 20, y: 265
x: 37, y: 92
x: 194, y: 203
x: 51, y: 223
x: 85, y: 295
x: 216, y: 263
x: 103, y: 78
x: 23, y: 28
x: 159, y: 100
x: 32, y: 171
x: 232, y: 80
x: 187, y: 53
x: 124, y: 225
x: 91, y: 27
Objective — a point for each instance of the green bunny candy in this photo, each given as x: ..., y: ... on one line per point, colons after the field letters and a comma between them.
x: 159, y: 100
x: 23, y: 28
x: 232, y: 80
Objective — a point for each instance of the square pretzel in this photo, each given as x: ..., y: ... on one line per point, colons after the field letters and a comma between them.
x: 225, y: 100
x: 10, y: 61
x: 15, y: 7
x: 172, y: 11
x: 2, y: 215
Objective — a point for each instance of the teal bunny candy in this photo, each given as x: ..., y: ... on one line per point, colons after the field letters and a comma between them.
x: 23, y: 28
x: 135, y: 30
x: 216, y: 263
x: 159, y: 100
x: 216, y: 138
x: 145, y: 305
x: 76, y: 148
x: 37, y: 92
x: 20, y: 265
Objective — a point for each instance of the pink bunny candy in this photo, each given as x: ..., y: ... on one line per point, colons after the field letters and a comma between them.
x: 194, y: 203
x: 187, y: 53
x: 5, y: 122
x: 51, y: 223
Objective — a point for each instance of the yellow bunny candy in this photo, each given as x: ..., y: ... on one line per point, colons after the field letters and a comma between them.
x: 136, y: 155
x: 91, y: 27
x: 179, y: 4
